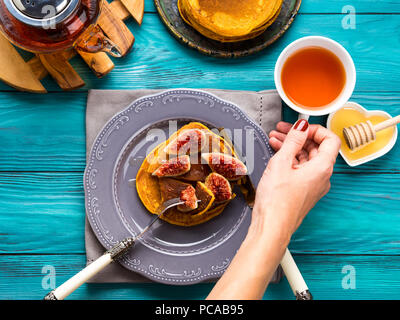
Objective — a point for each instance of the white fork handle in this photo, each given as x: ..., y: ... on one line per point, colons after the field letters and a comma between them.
x: 92, y: 269
x: 295, y: 279
x: 80, y: 278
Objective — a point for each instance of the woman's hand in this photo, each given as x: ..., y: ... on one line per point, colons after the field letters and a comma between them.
x: 297, y: 176
x: 294, y: 180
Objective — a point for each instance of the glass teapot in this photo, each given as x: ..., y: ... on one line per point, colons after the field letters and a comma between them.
x: 44, y: 26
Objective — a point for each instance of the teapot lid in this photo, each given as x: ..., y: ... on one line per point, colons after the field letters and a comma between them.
x: 41, y: 13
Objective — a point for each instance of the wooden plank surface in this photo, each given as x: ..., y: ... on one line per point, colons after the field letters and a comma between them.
x: 42, y: 158
x: 160, y: 61
x: 334, y: 6
x: 47, y: 133
x: 356, y: 218
x: 322, y: 273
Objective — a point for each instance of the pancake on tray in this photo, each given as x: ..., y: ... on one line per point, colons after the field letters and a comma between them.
x: 193, y: 164
x: 230, y: 20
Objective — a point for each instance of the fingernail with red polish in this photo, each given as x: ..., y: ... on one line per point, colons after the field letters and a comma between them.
x: 301, y: 125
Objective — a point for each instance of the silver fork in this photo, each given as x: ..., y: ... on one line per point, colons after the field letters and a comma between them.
x: 108, y: 257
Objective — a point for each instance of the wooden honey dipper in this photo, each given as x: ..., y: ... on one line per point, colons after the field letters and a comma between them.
x: 365, y: 132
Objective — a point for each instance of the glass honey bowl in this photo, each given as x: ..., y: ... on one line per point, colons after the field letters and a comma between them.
x: 351, y: 114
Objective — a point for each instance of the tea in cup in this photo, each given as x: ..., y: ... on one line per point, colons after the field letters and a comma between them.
x: 315, y: 76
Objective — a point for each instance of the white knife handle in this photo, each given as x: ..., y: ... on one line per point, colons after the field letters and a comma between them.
x: 295, y: 279
x: 80, y: 278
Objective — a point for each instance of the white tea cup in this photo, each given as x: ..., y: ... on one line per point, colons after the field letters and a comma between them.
x: 340, y: 52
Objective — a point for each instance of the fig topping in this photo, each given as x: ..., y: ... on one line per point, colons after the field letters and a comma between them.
x: 220, y: 187
x: 189, y: 141
x: 173, y: 167
x: 229, y: 167
x: 188, y: 195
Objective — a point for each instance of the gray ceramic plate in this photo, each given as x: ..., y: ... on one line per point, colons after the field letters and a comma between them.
x: 168, y: 254
x: 169, y: 13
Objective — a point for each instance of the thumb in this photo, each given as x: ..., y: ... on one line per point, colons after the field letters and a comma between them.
x: 295, y: 139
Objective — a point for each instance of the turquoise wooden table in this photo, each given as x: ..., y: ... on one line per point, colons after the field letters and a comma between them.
x: 353, y: 231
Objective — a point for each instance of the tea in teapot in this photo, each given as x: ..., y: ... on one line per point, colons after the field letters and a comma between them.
x: 44, y: 26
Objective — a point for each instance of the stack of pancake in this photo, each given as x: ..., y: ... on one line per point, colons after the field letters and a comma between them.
x: 153, y: 189
x: 230, y: 20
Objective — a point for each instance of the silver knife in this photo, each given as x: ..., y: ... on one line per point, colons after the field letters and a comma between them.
x: 109, y: 256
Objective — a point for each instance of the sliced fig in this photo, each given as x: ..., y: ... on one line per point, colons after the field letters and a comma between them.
x: 215, y: 143
x: 173, y: 167
x: 229, y: 167
x: 220, y: 187
x: 188, y: 195
x: 188, y: 141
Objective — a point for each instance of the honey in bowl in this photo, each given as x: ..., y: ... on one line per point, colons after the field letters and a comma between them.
x: 348, y: 116
x: 313, y: 77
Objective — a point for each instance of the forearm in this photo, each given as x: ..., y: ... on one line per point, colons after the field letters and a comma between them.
x: 250, y: 271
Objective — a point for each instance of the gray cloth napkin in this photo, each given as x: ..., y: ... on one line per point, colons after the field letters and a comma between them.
x: 264, y: 107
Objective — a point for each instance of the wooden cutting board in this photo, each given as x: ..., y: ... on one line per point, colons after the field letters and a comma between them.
x: 26, y: 75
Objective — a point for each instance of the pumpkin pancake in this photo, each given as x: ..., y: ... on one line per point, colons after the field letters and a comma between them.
x: 218, y: 37
x: 230, y: 20
x: 153, y: 191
